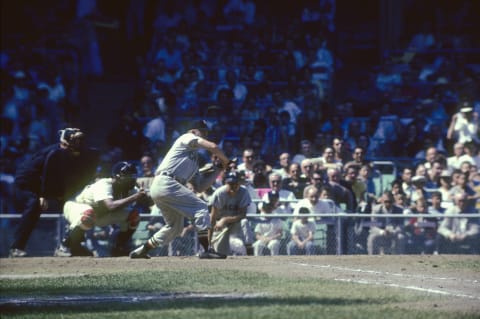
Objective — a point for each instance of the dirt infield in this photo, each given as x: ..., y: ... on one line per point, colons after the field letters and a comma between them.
x: 436, y: 275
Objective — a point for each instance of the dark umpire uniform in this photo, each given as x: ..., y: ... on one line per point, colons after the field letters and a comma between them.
x: 47, y: 179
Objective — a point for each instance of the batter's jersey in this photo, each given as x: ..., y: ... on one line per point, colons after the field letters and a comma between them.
x: 228, y: 205
x: 182, y: 160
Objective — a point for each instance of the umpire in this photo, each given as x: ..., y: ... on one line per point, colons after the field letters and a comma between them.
x: 49, y: 177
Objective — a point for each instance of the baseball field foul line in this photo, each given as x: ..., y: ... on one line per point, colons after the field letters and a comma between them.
x: 393, y: 285
x: 434, y: 291
x: 386, y: 273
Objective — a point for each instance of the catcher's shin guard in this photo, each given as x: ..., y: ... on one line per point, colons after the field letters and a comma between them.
x: 74, y: 242
x: 122, y: 243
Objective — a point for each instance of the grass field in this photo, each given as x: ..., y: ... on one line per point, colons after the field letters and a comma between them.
x: 242, y: 287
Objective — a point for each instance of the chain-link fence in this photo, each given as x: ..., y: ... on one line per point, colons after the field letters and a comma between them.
x: 334, y: 234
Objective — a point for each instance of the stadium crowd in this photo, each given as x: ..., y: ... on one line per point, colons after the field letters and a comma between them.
x: 402, y: 137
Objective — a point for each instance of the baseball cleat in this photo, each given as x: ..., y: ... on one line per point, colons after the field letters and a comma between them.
x: 139, y: 253
x: 211, y: 254
x: 15, y: 253
x: 62, y: 251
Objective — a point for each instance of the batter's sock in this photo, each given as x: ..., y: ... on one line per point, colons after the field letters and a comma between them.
x: 203, y: 240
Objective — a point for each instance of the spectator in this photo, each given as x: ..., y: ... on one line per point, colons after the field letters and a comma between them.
x: 171, y: 54
x: 147, y: 166
x: 248, y: 158
x: 342, y: 196
x: 302, y: 233
x: 353, y: 131
x: 358, y: 158
x: 284, y: 161
x: 269, y: 231
x: 465, y: 167
x: 286, y: 198
x: 238, y: 89
x: 260, y: 175
x: 412, y: 141
x: 154, y: 130
x: 420, y: 170
x: 365, y: 176
x: 357, y: 187
x: 445, y: 186
x: 462, y: 187
x: 400, y: 200
x: 419, y: 190
x: 341, y: 154
x: 436, y: 204
x: 315, y: 181
x: 459, y: 156
x: 295, y: 183
x: 306, y: 151
x: 327, y: 160
x: 387, y: 79
x: 47, y: 179
x: 312, y: 202
x: 307, y: 169
x: 464, y: 125
x: 431, y: 154
x: 459, y: 234
x: 387, y: 236
x: 421, y: 232
x: 282, y: 103
x: 433, y: 174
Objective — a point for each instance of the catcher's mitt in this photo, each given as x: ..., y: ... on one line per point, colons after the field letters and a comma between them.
x: 211, y: 254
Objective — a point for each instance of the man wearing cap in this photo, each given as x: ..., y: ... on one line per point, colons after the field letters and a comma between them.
x: 49, y: 177
x: 464, y: 125
x: 418, y: 182
x: 228, y: 207
x: 172, y: 197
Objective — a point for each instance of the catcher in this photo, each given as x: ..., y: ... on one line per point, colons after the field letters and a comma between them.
x: 173, y: 198
x: 105, y: 202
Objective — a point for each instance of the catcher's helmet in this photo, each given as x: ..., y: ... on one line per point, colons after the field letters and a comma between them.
x: 124, y: 170
x: 199, y: 125
x: 125, y: 175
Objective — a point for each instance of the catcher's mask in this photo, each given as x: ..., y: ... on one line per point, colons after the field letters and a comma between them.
x: 71, y: 138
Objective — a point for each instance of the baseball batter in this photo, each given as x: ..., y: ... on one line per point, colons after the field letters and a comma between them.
x: 168, y: 190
